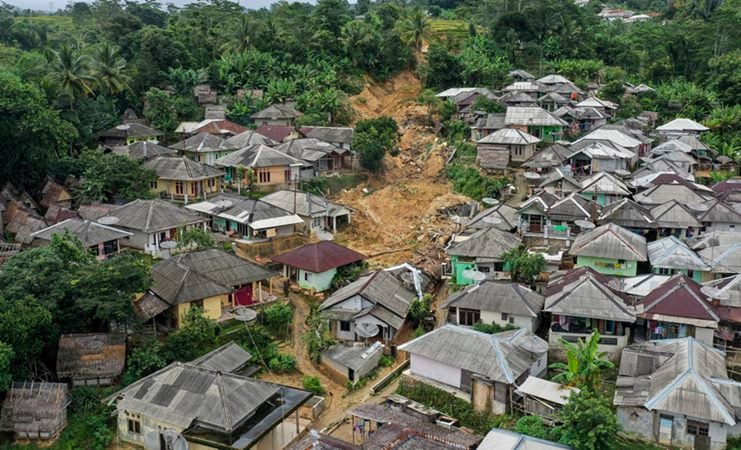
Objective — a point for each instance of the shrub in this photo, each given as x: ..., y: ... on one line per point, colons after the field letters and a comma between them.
x: 278, y: 317
x: 532, y: 426
x: 492, y: 328
x: 386, y: 361
x: 313, y: 385
x: 283, y: 363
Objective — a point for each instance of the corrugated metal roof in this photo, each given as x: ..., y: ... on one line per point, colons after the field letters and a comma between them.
x: 228, y: 358
x: 680, y: 296
x: 546, y: 390
x: 610, y: 241
x: 319, y: 257
x: 499, y: 297
x: 531, y: 116
x: 181, y: 168
x: 509, y: 136
x: 679, y: 125
x: 585, y: 293
x: 89, y: 233
x: 150, y: 216
x: 485, y: 243
x: 257, y: 156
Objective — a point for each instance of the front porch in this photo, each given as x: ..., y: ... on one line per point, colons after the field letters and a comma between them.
x: 614, y: 335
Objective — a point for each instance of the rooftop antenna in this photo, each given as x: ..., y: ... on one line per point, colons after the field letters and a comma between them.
x: 174, y: 440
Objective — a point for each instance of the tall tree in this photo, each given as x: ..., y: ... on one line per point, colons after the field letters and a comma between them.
x: 71, y: 71
x: 585, y: 363
x: 414, y: 28
x: 109, y: 68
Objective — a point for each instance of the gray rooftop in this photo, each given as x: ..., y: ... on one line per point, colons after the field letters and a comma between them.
x: 673, y: 214
x: 229, y: 358
x: 202, y: 143
x: 487, y: 243
x: 257, y: 156
x: 89, y: 233
x: 277, y: 111
x: 628, y: 214
x: 248, y: 138
x: 306, y: 205
x: 151, y: 216
x: 531, y: 116
x: 671, y: 253
x: 585, y: 293
x: 610, y: 241
x: 498, y: 296
x: 509, y: 136
x: 141, y: 150
x: 341, y: 135
x: 181, y: 168
x: 662, y: 193
x: 681, y: 376
x: 501, y: 357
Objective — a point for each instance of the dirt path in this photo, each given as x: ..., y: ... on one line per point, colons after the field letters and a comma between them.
x: 520, y: 184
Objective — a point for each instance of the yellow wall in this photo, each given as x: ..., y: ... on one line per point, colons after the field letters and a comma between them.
x: 277, y: 175
x: 168, y: 186
x: 211, y: 308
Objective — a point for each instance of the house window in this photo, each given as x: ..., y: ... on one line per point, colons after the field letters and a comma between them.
x: 197, y: 304
x: 153, y: 184
x: 468, y: 316
x: 193, y: 188
x: 179, y: 188
x: 316, y: 222
x: 211, y: 182
x: 512, y: 320
x: 344, y: 325
x: 263, y: 176
x: 134, y: 423
x: 696, y: 428
x: 504, y: 317
x: 306, y: 276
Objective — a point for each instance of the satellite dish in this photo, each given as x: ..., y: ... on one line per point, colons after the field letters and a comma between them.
x: 616, y: 284
x: 407, y: 277
x: 584, y: 224
x: 621, y: 172
x: 698, y: 206
x: 224, y: 203
x: 245, y: 314
x: 531, y: 175
x: 366, y: 329
x: 493, y: 220
x: 168, y: 245
x: 474, y: 275
x: 123, y: 127
x: 108, y: 220
x: 174, y: 440
x: 489, y: 201
x: 714, y: 293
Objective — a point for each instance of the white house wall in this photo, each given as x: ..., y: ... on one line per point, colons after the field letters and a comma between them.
x: 434, y: 370
x: 491, y: 317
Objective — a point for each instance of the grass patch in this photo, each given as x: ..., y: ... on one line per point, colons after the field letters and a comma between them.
x: 451, y: 30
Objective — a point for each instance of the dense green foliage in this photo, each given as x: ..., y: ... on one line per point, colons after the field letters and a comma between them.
x: 278, y: 317
x: 372, y: 139
x: 491, y: 328
x: 585, y: 363
x: 313, y: 385
x: 523, y: 265
x: 588, y: 422
x: 61, y: 288
x: 317, y: 336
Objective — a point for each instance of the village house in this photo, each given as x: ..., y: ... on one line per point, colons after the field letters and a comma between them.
x: 54, y: 194
x: 322, y: 156
x: 521, y: 145
x: 615, y: 137
x: 317, y: 212
x: 727, y: 302
x: 669, y: 256
x: 679, y: 127
x: 143, y: 150
x: 678, y: 308
x: 517, y: 98
x: 639, y: 286
x: 91, y: 359
x: 211, y: 279
x: 203, y: 147
x: 685, y: 161
x: 482, y: 251
x: 338, y: 136
x: 500, y: 439
x: 493, y: 160
x: 604, y: 188
x: 216, y: 126
x: 210, y: 409
x: 128, y: 133
x: 184, y: 180
x: 100, y: 240
x: 532, y: 217
x: 674, y: 219
x: 535, y: 121
x: 151, y: 223
x: 559, y: 182
x: 247, y: 219
x: 652, y: 168
x: 552, y: 101
x: 629, y: 215
x: 487, y: 125
x: 723, y: 259
x: 521, y: 75
x: 280, y: 114
x: 248, y: 138
x: 550, y: 158
x: 351, y: 363
x: 580, y: 120
x: 35, y: 410
x: 504, y: 215
x: 717, y: 215
x: 500, y: 303
x: 380, y: 298
x: 262, y: 167
x: 542, y: 398
x: 603, y: 106
x: 582, y: 300
x: 314, y: 266
x: 229, y: 358
x: 610, y: 249
x: 680, y: 191
x: 677, y: 393
x: 484, y: 369
x: 527, y: 87
x: 278, y: 133
x: 597, y: 157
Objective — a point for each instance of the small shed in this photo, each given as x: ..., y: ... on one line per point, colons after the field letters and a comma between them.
x: 35, y: 410
x: 91, y: 359
x: 352, y: 362
x: 313, y: 266
x: 543, y: 398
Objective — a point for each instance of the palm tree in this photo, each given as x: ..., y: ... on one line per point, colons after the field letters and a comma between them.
x: 240, y: 36
x: 356, y: 35
x: 414, y: 29
x: 70, y: 71
x: 110, y: 69
x: 584, y: 363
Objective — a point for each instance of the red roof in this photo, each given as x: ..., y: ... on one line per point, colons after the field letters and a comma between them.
x: 319, y: 257
x: 734, y: 184
x: 218, y: 128
x: 679, y: 296
x: 275, y: 132
x: 672, y: 178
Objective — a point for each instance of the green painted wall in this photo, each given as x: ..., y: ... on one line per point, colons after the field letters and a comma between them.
x: 606, y: 266
x: 316, y: 281
x: 697, y: 275
x: 458, y: 268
